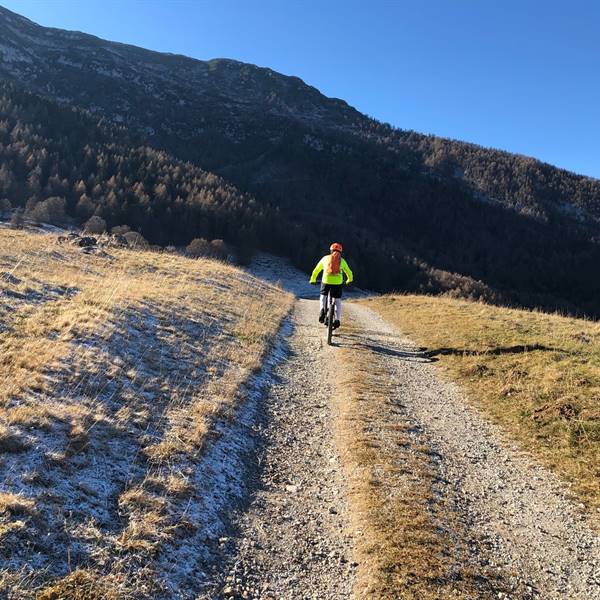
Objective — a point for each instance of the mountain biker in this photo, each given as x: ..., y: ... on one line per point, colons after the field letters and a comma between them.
x: 334, y: 267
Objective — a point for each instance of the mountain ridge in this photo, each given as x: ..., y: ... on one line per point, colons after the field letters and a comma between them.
x: 404, y: 203
x: 320, y: 105
x: 341, y: 101
x: 202, y: 66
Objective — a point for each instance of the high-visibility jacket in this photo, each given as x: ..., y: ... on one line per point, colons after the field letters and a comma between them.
x: 332, y: 278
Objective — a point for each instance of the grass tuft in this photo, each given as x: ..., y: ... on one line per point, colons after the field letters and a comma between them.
x: 80, y: 585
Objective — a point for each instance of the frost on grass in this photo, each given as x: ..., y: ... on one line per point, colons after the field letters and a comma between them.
x: 111, y: 395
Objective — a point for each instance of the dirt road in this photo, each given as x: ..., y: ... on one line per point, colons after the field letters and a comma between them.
x: 289, y: 538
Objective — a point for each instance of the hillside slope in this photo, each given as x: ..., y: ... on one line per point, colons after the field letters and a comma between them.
x: 154, y: 447
x: 411, y: 208
x: 116, y: 372
x: 62, y: 164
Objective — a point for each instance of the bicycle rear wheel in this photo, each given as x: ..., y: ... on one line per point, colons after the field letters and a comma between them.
x: 330, y: 317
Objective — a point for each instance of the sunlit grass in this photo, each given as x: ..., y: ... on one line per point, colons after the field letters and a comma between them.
x: 536, y: 374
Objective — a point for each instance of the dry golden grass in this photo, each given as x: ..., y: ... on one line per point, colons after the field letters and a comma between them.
x: 536, y: 374
x: 128, y: 360
x: 81, y: 584
x: 15, y: 504
x: 401, y: 526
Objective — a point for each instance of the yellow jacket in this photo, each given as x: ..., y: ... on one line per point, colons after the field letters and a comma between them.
x: 329, y: 278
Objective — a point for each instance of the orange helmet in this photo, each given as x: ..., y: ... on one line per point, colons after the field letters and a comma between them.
x: 335, y: 247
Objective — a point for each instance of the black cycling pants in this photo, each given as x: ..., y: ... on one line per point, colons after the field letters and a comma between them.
x: 336, y: 289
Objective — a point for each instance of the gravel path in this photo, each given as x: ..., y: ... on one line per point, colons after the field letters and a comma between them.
x: 290, y: 540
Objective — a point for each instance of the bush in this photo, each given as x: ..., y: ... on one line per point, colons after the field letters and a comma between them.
x: 55, y: 208
x: 200, y: 247
x: 136, y: 240
x: 95, y: 225
x: 17, y: 219
x: 38, y: 213
x: 220, y: 250
x: 120, y: 229
x: 197, y: 248
x: 51, y: 210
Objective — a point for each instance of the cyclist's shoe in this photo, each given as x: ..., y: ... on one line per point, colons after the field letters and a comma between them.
x: 336, y: 324
x: 322, y: 316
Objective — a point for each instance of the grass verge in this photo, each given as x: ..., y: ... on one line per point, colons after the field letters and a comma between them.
x: 115, y: 370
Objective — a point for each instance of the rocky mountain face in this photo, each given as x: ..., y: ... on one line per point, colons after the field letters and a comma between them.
x: 169, y: 98
x: 404, y: 203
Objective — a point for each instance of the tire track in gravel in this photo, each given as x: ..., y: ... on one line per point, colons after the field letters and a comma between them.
x: 290, y: 541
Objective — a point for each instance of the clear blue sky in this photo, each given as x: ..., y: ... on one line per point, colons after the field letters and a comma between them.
x: 518, y: 75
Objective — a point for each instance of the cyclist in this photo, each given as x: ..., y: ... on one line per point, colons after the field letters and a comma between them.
x: 334, y: 267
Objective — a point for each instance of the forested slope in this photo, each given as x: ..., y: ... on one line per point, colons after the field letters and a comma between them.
x: 61, y: 164
x: 415, y: 212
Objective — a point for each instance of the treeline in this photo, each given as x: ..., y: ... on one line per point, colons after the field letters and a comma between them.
x: 521, y: 183
x: 412, y: 228
x: 61, y: 165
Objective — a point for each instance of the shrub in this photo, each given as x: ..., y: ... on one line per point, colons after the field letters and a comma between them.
x: 220, y: 250
x: 214, y: 249
x: 198, y: 247
x: 16, y: 220
x: 120, y: 229
x: 55, y: 208
x: 136, y: 240
x: 95, y: 225
x: 38, y: 213
x: 52, y: 210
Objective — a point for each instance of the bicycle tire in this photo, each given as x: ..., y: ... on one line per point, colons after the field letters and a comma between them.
x: 330, y: 315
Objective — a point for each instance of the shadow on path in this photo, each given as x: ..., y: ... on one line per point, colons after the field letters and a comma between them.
x: 366, y: 342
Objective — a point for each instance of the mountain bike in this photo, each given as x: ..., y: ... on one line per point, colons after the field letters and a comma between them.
x: 329, y: 313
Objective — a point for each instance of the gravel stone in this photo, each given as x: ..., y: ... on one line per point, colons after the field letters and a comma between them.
x: 289, y: 539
